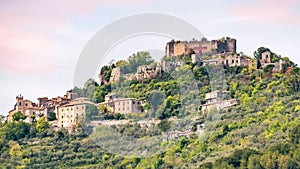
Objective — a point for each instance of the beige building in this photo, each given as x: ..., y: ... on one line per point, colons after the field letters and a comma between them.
x: 33, y: 111
x: 122, y: 105
x: 69, y: 114
x: 230, y: 59
x: 143, y: 72
x: 215, y: 100
x: 266, y: 60
x: 22, y: 106
x: 181, y: 48
x: 266, y: 57
x: 115, y: 75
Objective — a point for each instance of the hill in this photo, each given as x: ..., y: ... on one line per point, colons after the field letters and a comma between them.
x: 261, y: 131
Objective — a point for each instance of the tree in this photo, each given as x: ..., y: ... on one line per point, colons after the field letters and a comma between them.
x: 156, y: 98
x: 42, y: 124
x: 91, y: 111
x: 268, y: 68
x: 121, y: 63
x: 262, y: 50
x: 18, y: 116
x: 52, y: 116
x: 138, y: 59
x: 164, y: 125
x: 15, y: 150
x: 15, y: 130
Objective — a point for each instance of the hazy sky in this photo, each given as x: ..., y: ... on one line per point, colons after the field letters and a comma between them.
x: 42, y: 40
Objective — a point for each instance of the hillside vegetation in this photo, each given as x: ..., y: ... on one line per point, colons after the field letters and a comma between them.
x: 262, y: 131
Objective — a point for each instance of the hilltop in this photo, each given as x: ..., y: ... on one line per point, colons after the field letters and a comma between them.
x: 260, y: 130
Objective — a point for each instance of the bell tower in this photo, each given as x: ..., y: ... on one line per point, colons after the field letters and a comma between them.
x: 266, y: 57
x: 19, y: 103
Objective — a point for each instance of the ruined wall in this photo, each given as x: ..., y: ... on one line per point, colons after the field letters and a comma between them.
x: 200, y: 47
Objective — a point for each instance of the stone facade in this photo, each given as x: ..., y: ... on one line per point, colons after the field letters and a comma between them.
x: 26, y: 107
x: 69, y: 114
x: 143, y: 72
x: 122, y: 105
x: 266, y: 60
x: 115, y: 75
x: 266, y: 57
x: 34, y: 111
x: 215, y: 100
x: 229, y: 59
x: 180, y: 48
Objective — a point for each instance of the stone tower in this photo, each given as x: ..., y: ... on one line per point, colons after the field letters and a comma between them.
x: 266, y: 57
x: 19, y: 103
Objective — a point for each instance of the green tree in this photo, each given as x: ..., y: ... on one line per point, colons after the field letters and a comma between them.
x: 42, y: 124
x: 164, y: 125
x: 15, y: 150
x: 52, y: 116
x: 138, y: 59
x: 18, y: 116
x: 15, y: 130
x: 91, y: 111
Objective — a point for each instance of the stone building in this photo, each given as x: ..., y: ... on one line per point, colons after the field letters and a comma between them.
x: 265, y: 57
x: 229, y: 59
x: 115, y: 75
x: 142, y: 72
x: 68, y: 115
x: 26, y: 107
x: 216, y: 100
x: 180, y: 48
x: 33, y: 111
x: 122, y: 105
x: 266, y: 60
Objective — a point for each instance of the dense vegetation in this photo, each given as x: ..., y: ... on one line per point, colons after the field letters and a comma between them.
x: 262, y: 131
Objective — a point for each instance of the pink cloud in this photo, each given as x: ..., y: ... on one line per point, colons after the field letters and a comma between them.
x: 27, y: 27
x: 269, y: 11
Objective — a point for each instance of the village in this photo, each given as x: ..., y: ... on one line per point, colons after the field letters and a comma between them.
x: 69, y: 109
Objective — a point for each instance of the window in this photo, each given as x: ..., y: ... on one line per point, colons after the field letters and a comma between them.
x: 267, y: 56
x: 127, y: 108
x: 62, y: 117
x: 62, y: 125
x: 62, y: 121
x: 71, y: 109
x: 232, y: 61
x: 237, y: 61
x: 71, y: 121
x: 20, y: 104
x: 26, y: 104
x: 67, y: 109
x: 62, y: 109
x: 33, y: 113
x: 118, y: 109
x: 82, y: 107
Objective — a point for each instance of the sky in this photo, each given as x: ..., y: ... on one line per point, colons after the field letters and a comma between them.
x: 41, y: 41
